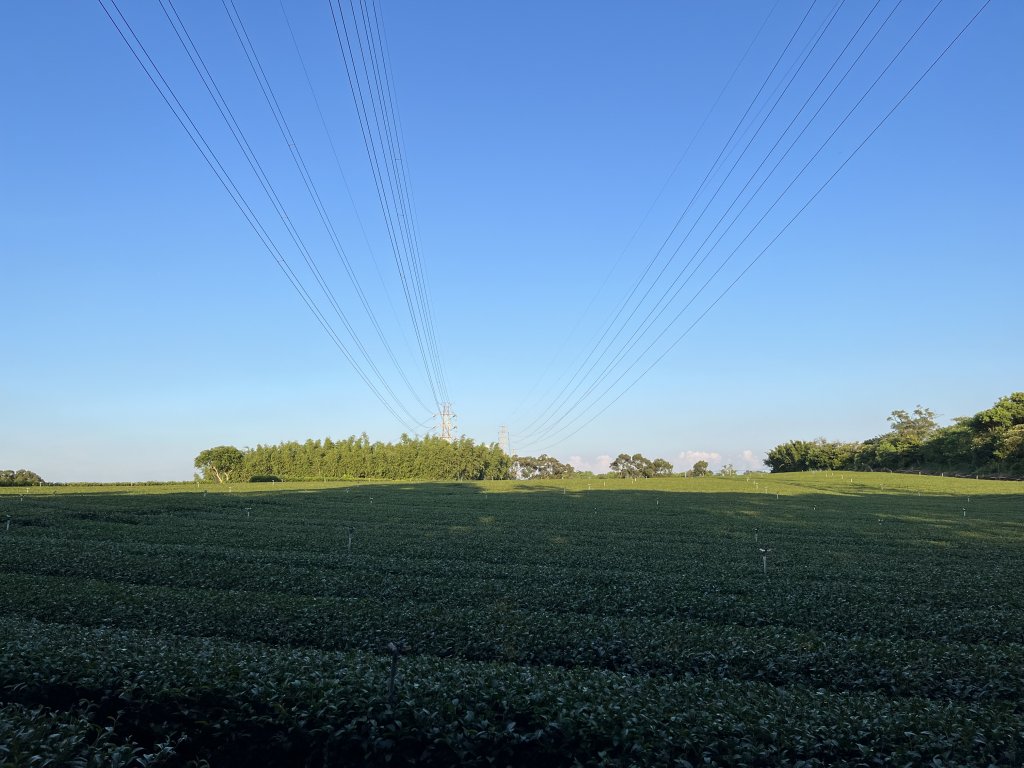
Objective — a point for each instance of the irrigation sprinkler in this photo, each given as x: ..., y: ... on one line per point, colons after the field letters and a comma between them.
x: 351, y: 530
x: 395, y: 649
x: 248, y: 511
x: 764, y: 559
x: 8, y: 526
x: 756, y: 530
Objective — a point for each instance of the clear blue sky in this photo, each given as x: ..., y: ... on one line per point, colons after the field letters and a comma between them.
x: 144, y: 321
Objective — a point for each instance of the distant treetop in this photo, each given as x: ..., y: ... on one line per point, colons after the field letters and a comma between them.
x: 9, y: 477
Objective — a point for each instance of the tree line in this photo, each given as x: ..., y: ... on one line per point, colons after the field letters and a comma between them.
x: 420, y: 458
x: 425, y: 458
x: 9, y: 477
x: 991, y: 442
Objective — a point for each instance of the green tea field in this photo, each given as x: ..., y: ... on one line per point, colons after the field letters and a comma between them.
x: 803, y: 619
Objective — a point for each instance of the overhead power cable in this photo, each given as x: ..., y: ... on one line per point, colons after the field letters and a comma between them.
x: 669, y: 295
x: 543, y: 422
x: 341, y: 171
x: 195, y: 134
x: 559, y: 352
x: 293, y: 149
x: 627, y: 345
x: 761, y: 253
x: 181, y: 32
x: 540, y: 421
x: 368, y: 76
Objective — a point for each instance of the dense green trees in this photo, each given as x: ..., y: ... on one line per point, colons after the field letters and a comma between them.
x: 19, y: 477
x: 803, y: 455
x: 638, y: 465
x: 427, y: 458
x: 990, y: 442
x: 913, y: 428
x: 221, y: 462
x: 539, y: 468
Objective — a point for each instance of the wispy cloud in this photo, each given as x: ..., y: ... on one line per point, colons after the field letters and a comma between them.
x: 598, y: 466
x: 750, y: 460
x: 742, y: 461
x: 689, y: 458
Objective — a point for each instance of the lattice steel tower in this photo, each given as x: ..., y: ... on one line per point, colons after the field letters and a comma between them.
x: 447, y: 426
x: 503, y: 440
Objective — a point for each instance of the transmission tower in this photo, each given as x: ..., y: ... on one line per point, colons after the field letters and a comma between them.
x: 447, y: 426
x: 503, y: 440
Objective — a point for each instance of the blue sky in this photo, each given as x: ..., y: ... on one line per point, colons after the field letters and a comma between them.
x: 144, y: 321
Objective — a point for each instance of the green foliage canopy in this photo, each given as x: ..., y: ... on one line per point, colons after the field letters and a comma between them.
x: 221, y: 462
x: 9, y: 477
x: 990, y: 442
x: 428, y: 458
x: 700, y: 468
x: 638, y: 465
x: 539, y: 468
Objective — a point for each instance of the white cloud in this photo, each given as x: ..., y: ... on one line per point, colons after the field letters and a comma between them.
x: 750, y: 460
x: 689, y: 458
x: 598, y: 466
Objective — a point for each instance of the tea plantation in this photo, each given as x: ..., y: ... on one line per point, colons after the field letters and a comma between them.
x: 804, y: 619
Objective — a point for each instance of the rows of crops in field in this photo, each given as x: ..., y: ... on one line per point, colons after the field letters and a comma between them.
x: 811, y: 619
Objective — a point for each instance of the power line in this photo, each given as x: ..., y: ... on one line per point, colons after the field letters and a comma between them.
x: 761, y: 253
x: 181, y: 114
x: 181, y: 32
x: 293, y: 148
x: 665, y: 300
x: 402, y: 168
x: 582, y: 372
x: 645, y: 217
x: 369, y: 80
x: 337, y: 159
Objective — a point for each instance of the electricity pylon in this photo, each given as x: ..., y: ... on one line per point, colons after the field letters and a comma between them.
x: 447, y: 427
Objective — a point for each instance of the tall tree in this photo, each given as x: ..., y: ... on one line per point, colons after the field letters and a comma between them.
x: 662, y: 468
x: 636, y: 465
x: 914, y: 428
x: 222, y: 461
